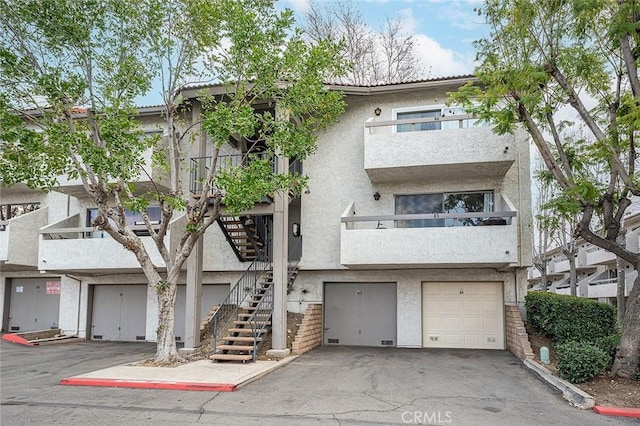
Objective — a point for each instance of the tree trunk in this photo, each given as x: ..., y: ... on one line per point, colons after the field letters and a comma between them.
x: 572, y: 274
x: 543, y: 276
x: 626, y: 361
x: 621, y: 280
x: 166, y: 350
x: 620, y: 288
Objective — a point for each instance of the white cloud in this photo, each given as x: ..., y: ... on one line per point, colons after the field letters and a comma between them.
x: 409, y: 23
x: 461, y: 15
x: 440, y: 61
x: 298, y: 6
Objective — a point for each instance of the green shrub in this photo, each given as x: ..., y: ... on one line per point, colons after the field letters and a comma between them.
x: 609, y: 346
x: 569, y: 318
x: 578, y: 362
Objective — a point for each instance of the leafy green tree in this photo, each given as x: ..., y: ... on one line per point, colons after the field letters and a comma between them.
x: 70, y: 71
x: 545, y: 60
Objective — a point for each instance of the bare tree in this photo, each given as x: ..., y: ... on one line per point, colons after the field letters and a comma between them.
x: 542, y: 239
x: 385, y: 55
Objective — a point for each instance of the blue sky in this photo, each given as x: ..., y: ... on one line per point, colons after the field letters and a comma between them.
x: 444, y: 30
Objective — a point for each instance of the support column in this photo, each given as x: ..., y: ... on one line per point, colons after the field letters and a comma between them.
x: 70, y: 306
x: 193, y: 312
x: 280, y: 262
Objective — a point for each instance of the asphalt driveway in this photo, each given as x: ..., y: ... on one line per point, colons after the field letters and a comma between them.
x: 329, y: 385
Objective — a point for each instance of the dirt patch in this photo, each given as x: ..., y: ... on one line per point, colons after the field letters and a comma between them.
x: 608, y: 391
x: 293, y: 322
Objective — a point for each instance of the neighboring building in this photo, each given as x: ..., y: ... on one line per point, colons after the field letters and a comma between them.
x: 596, y: 268
x: 415, y: 232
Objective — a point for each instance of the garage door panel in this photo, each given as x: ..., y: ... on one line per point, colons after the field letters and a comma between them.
x: 119, y: 312
x: 463, y: 315
x: 362, y: 314
x: 31, y: 307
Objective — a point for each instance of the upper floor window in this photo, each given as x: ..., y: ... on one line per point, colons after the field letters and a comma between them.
x: 435, y: 118
x: 133, y: 218
x: 448, y: 202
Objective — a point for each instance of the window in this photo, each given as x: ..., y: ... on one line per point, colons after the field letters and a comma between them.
x: 419, y: 127
x: 133, y: 218
x: 444, y: 117
x: 452, y: 202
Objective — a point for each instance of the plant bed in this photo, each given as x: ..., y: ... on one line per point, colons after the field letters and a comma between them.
x: 607, y: 391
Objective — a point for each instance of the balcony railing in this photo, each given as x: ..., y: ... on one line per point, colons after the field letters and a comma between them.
x: 449, y: 152
x: 11, y: 210
x: 460, y: 121
x: 471, y: 239
x: 19, y: 236
x: 199, y: 169
x: 66, y: 246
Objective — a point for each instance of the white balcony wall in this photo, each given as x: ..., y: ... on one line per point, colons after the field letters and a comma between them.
x: 64, y: 246
x: 476, y: 152
x: 604, y: 288
x: 599, y: 256
x: 428, y: 247
x: 19, y: 240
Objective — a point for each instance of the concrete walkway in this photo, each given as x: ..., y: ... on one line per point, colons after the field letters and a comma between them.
x: 203, y: 375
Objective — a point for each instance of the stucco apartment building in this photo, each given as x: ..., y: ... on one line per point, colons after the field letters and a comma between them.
x: 596, y: 268
x: 414, y: 232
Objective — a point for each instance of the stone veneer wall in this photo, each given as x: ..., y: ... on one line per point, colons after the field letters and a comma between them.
x: 517, y: 337
x: 309, y: 333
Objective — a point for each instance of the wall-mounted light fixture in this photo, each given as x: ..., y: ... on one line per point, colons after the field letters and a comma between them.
x: 376, y: 196
x: 296, y: 230
x: 377, y: 111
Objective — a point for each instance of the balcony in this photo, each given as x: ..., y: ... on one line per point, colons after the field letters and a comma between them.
x: 155, y: 179
x: 66, y: 246
x: 381, y: 242
x: 19, y: 238
x: 602, y: 286
x: 450, y: 152
x: 600, y: 256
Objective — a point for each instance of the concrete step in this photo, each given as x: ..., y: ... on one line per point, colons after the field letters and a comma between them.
x: 231, y: 357
x: 248, y: 323
x: 239, y: 348
x: 246, y: 330
x: 242, y: 339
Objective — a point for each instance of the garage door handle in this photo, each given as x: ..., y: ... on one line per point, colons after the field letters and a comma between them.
x: 326, y: 329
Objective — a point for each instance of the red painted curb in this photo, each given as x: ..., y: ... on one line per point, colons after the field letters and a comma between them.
x: 615, y: 411
x: 148, y: 384
x: 14, y: 338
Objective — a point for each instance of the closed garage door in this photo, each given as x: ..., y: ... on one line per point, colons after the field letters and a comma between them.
x: 34, y: 304
x: 119, y: 312
x: 462, y: 315
x: 212, y: 294
x: 361, y: 314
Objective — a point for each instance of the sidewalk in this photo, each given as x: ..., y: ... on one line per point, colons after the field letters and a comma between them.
x: 203, y: 375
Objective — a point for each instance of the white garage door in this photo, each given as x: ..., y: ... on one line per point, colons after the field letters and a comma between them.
x: 462, y: 315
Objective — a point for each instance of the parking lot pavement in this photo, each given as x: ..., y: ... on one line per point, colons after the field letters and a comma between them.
x: 329, y: 385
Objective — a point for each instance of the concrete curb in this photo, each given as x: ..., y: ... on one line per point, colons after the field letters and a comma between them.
x: 576, y: 396
x: 149, y: 384
x: 280, y: 363
x: 620, y: 412
x: 153, y: 380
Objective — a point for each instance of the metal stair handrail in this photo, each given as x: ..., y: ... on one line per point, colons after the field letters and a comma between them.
x: 227, y: 311
x: 260, y: 318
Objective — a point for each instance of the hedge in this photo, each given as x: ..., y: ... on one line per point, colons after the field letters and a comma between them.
x: 569, y: 318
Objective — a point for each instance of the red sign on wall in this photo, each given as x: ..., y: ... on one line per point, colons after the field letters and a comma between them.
x: 53, y: 287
